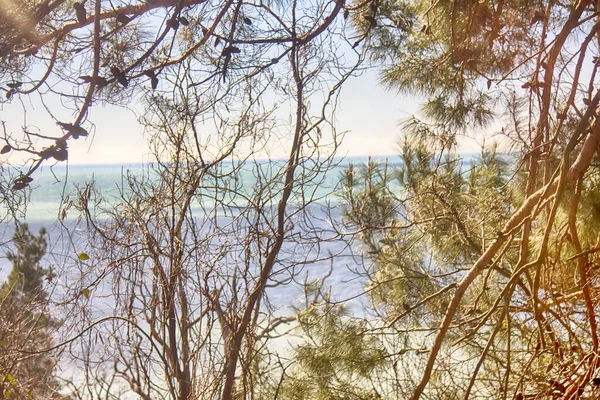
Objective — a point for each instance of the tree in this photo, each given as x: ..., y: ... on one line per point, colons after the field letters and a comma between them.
x: 214, y: 77
x: 192, y: 246
x: 26, y: 323
x: 498, y: 262
x: 334, y: 360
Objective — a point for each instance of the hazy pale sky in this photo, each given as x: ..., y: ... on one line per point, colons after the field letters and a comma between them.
x: 369, y: 113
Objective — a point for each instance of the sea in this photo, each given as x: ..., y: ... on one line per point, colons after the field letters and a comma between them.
x: 338, y: 257
x: 54, y: 187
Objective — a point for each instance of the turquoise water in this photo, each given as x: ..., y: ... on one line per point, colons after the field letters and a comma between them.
x: 51, y: 184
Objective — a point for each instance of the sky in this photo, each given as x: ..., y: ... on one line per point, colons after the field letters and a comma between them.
x: 369, y: 113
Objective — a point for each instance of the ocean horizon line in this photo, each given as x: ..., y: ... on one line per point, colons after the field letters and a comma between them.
x: 260, y: 160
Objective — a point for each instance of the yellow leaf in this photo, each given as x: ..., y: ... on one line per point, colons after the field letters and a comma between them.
x: 86, y: 293
x: 10, y: 379
x: 83, y: 257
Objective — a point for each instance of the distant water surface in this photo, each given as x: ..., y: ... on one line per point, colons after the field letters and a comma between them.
x: 51, y: 184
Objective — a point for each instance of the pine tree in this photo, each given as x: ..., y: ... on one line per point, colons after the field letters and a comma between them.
x: 489, y: 270
x: 26, y: 327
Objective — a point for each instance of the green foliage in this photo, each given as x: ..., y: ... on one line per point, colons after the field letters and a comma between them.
x: 26, y: 327
x: 422, y: 224
x: 449, y: 207
x: 590, y: 207
x: 335, y: 359
x: 452, y: 51
x: 497, y: 258
x: 27, y: 276
x: 361, y: 187
x: 445, y: 209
